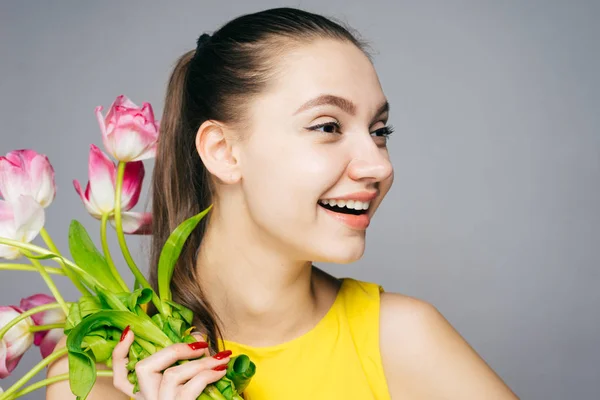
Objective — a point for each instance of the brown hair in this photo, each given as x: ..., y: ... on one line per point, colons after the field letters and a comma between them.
x: 214, y: 82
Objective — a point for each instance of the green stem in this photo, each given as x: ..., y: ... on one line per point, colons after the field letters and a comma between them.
x: 121, y: 236
x: 45, y: 253
x: 214, y: 393
x: 48, y: 240
x: 26, y: 314
x: 51, y: 285
x: 46, y: 361
x: 25, y: 267
x: 54, y: 379
x: 106, y: 249
x: 41, y: 328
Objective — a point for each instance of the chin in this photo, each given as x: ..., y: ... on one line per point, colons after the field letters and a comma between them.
x: 341, y: 253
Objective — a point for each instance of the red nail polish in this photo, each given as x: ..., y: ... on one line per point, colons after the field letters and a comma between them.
x: 198, y: 345
x: 222, y: 367
x: 222, y: 355
x: 125, y: 331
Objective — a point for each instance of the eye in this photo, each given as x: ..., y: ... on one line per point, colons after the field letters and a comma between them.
x: 332, y: 127
x: 383, y: 132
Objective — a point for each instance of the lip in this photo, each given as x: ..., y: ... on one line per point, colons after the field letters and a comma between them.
x: 358, y: 222
x: 358, y: 196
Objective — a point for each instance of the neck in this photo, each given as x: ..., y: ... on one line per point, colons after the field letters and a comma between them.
x: 260, y: 297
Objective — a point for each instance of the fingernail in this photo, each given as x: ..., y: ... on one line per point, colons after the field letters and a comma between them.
x: 221, y: 367
x: 222, y: 355
x: 198, y: 345
x: 125, y: 331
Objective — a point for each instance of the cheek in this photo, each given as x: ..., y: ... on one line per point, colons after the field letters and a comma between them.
x: 284, y: 179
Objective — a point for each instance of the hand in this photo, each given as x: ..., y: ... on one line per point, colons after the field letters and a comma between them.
x: 157, y: 380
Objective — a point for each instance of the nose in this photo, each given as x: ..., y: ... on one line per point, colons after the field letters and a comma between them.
x: 371, y: 163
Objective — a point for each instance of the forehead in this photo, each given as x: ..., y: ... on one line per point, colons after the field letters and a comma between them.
x: 324, y: 67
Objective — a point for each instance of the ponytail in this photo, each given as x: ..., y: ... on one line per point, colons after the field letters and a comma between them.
x: 181, y: 189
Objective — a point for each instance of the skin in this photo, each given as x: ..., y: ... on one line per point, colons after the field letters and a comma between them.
x: 269, y: 178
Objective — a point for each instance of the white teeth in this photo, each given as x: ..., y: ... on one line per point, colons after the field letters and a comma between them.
x: 351, y: 204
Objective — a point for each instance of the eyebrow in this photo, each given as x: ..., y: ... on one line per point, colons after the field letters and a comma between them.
x: 344, y: 104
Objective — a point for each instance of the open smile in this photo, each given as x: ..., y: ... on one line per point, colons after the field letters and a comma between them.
x: 352, y: 213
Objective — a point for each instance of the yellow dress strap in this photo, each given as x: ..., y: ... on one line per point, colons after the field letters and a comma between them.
x: 361, y: 301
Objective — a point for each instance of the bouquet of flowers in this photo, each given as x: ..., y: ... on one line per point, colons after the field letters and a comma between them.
x: 94, y: 323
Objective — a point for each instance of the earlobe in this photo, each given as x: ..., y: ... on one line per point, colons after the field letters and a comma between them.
x: 216, y: 152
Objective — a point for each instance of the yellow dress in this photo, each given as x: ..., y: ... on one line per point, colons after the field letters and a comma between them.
x: 338, y: 359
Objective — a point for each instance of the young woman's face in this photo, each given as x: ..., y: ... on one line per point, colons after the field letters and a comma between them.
x: 315, y: 165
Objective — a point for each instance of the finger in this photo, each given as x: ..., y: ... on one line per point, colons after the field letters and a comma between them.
x: 119, y: 360
x: 195, y: 386
x: 149, y: 370
x: 166, y: 357
x: 176, y: 376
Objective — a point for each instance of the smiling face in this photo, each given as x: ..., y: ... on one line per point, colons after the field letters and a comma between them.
x: 314, y: 164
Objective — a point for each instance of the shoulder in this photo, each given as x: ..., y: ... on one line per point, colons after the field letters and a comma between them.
x: 424, y: 357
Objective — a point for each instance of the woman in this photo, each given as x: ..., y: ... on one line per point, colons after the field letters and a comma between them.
x: 279, y: 120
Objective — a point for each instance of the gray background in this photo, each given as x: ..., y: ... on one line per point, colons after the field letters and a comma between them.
x: 494, y: 215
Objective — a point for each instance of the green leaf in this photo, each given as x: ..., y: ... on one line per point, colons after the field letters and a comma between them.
x: 214, y: 393
x: 82, y: 367
x: 170, y: 333
x: 86, y: 255
x: 158, y: 320
x: 139, y: 296
x: 73, y: 319
x: 88, y: 305
x: 240, y: 370
x: 226, y: 387
x: 110, y: 300
x: 186, y: 313
x: 101, y: 347
x: 171, y: 251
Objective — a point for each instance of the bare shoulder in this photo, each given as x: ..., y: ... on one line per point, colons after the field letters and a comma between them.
x: 424, y: 357
x: 103, y: 388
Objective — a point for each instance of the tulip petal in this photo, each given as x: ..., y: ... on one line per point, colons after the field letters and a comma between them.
x: 130, y: 142
x: 129, y: 132
x: 7, y: 230
x: 135, y: 223
x: 22, y: 221
x: 47, y: 317
x: 26, y: 172
x: 50, y: 340
x: 15, y: 342
x: 89, y: 206
x: 6, y: 365
x: 132, y: 184
x: 42, y: 178
x: 102, y: 172
x: 108, y: 123
x: 13, y: 180
x: 29, y: 218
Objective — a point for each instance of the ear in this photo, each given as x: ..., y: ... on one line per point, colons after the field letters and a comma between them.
x: 217, y: 153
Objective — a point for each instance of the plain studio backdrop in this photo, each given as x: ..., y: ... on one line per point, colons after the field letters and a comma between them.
x: 494, y: 214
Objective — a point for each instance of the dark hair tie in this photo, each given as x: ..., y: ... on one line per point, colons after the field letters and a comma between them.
x: 202, y: 40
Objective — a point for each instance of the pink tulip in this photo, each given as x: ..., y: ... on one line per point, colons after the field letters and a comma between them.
x: 20, y: 220
x: 46, y: 340
x: 99, y: 195
x: 25, y: 172
x: 129, y: 133
x: 15, y: 342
